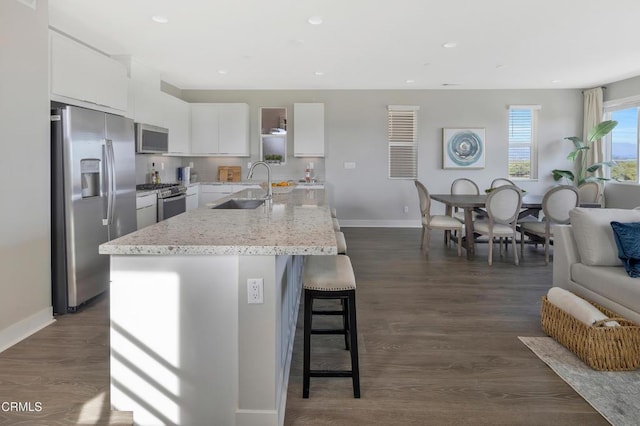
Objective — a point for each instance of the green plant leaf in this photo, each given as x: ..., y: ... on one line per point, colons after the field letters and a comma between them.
x: 592, y: 168
x: 573, y: 154
x: 577, y: 142
x: 559, y: 174
x: 601, y: 130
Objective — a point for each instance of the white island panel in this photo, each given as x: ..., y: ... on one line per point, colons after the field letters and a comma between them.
x: 174, y: 338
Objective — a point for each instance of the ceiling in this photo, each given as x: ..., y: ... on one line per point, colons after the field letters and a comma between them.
x: 366, y: 44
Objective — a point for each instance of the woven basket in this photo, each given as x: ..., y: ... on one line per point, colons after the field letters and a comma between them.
x: 600, y: 347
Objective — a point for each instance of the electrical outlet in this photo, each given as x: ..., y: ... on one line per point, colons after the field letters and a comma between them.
x: 406, y: 209
x: 255, y: 290
x: 162, y: 165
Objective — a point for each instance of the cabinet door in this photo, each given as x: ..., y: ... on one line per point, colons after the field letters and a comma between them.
x: 112, y: 83
x: 210, y: 193
x: 178, y: 121
x: 80, y: 73
x: 308, y: 130
x: 146, y: 216
x: 69, y: 75
x: 233, y: 130
x: 204, y: 128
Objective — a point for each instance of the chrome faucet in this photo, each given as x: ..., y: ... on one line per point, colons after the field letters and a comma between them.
x: 250, y: 175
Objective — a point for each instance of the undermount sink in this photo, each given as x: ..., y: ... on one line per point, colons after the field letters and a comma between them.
x: 239, y: 204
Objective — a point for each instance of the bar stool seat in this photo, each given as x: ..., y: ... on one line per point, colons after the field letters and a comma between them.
x: 334, y: 213
x: 341, y: 242
x: 330, y: 277
x: 336, y: 224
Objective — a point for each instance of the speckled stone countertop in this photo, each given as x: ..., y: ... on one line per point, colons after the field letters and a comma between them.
x: 298, y: 222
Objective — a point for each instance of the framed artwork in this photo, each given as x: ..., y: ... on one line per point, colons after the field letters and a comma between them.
x: 463, y: 148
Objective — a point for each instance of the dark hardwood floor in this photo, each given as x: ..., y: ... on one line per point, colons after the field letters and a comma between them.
x: 438, y: 342
x: 437, y: 337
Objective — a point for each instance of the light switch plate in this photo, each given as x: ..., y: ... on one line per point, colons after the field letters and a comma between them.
x: 349, y: 165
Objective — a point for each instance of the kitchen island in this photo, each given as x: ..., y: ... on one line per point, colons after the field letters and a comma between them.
x: 187, y: 347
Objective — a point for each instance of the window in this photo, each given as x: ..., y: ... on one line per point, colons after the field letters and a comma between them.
x: 622, y: 142
x: 523, y: 145
x: 403, y: 129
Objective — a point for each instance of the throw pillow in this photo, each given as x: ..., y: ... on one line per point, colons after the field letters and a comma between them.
x: 627, y: 236
x: 592, y: 232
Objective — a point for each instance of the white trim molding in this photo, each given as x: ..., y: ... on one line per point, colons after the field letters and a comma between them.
x: 25, y: 328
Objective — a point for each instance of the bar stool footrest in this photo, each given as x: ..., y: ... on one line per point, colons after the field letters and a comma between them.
x: 330, y: 373
x: 328, y: 331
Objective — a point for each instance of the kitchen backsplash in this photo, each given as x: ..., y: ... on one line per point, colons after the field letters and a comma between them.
x: 206, y: 168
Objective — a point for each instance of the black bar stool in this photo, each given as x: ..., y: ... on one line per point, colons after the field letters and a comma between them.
x: 330, y: 277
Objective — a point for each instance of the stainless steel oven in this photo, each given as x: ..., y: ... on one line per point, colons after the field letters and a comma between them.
x: 171, y: 206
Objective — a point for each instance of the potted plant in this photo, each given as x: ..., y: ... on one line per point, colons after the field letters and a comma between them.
x: 582, y: 172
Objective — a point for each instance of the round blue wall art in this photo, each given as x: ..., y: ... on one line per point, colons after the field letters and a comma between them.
x: 465, y: 148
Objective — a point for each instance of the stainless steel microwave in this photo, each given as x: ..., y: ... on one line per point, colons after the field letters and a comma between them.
x: 151, y: 139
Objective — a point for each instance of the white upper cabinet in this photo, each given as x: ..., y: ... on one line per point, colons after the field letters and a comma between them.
x: 80, y: 73
x: 308, y: 130
x: 178, y: 121
x: 220, y: 129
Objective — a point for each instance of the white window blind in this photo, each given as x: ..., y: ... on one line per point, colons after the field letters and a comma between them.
x: 403, y: 130
x: 523, y: 147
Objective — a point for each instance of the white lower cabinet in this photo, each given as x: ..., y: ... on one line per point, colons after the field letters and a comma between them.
x: 192, y: 197
x: 146, y: 209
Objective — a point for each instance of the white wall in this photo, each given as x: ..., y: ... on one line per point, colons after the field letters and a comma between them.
x: 356, y: 131
x: 25, y: 277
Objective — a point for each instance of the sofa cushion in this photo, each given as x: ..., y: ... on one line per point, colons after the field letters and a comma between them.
x: 611, y: 282
x: 594, y: 236
x: 627, y: 237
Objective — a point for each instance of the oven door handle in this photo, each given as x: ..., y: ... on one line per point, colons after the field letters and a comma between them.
x: 176, y: 198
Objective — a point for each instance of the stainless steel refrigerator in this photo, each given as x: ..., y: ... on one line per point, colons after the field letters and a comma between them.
x: 92, y: 198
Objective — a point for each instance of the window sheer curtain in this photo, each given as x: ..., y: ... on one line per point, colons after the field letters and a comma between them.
x: 593, y: 112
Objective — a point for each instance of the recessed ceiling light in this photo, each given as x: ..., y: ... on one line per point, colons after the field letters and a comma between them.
x: 315, y: 20
x: 410, y: 81
x: 160, y: 19
x: 451, y: 84
x: 222, y: 72
x: 556, y: 81
x: 499, y: 67
x: 450, y: 44
x: 319, y: 73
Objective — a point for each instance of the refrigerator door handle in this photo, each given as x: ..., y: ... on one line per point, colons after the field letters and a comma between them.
x: 112, y: 180
x: 108, y: 159
x: 105, y: 183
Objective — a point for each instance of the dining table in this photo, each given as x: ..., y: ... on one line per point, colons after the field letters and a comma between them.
x: 531, y: 206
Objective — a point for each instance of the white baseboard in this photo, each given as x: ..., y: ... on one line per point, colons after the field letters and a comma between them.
x: 380, y: 223
x: 25, y: 328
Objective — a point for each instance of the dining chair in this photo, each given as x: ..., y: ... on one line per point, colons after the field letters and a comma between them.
x: 590, y: 192
x: 463, y: 186
x: 501, y: 182
x: 556, y: 205
x: 439, y: 221
x: 502, y: 205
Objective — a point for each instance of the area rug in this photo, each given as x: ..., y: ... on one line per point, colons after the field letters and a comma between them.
x: 615, y: 395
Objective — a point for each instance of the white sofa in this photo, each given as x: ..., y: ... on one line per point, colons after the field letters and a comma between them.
x: 585, y: 260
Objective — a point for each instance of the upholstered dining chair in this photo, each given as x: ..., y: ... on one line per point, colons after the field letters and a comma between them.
x: 556, y: 205
x: 430, y: 222
x: 463, y: 186
x: 501, y: 182
x: 502, y: 205
x: 590, y: 192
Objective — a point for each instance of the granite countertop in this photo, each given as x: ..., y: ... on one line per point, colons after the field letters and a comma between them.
x: 297, y: 223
